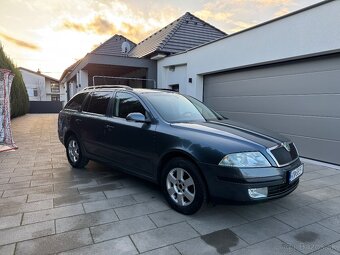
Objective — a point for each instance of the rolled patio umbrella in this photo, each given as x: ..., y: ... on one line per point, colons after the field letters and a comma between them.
x: 6, y: 138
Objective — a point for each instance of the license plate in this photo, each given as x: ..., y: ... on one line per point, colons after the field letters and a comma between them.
x: 296, y: 173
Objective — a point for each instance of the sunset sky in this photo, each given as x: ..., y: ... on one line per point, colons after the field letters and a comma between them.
x: 51, y: 35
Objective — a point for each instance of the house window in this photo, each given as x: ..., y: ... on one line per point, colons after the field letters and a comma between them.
x: 174, y: 87
x: 55, y: 87
x: 55, y: 98
x: 35, y: 92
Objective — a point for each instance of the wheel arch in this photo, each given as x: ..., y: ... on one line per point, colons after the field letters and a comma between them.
x: 67, y: 135
x: 179, y: 154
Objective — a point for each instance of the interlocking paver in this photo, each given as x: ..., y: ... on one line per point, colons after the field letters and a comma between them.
x: 141, y: 209
x: 121, y: 228
x: 258, y: 211
x: 336, y: 246
x: 331, y: 207
x: 168, y: 217
x: 332, y: 223
x: 76, y: 199
x: 105, y: 187
x: 326, y: 251
x: 214, y: 219
x: 257, y: 231
x: 109, y: 203
x: 323, y: 193
x: 168, y: 250
x: 17, y: 185
x: 268, y: 247
x: 125, y: 191
x: 310, y: 238
x: 13, y: 200
x: 4, y: 180
x: 27, y: 232
x: 160, y: 237
x: 51, y: 214
x: 85, y: 220
x: 301, y: 217
x: 219, y: 242
x: 30, y: 177
x: 55, y: 243
x: 296, y: 200
x: 10, y: 221
x: 7, y: 249
x: 52, y: 194
x: 25, y: 191
x: 15, y: 208
x: 119, y: 246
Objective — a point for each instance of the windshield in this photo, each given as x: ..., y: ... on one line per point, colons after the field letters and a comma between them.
x: 174, y: 107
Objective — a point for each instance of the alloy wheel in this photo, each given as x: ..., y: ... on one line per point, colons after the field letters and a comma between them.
x: 73, y: 151
x: 180, y: 186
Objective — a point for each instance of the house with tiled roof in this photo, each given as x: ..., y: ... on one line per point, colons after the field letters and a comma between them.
x: 41, y: 87
x: 184, y: 33
x: 121, y: 61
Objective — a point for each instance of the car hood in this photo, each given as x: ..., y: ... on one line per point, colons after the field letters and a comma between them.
x: 238, y: 130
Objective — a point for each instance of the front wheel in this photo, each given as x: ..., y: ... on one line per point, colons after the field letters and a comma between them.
x: 74, y: 153
x: 183, y: 186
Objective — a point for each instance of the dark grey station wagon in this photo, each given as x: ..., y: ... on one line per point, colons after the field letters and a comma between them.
x: 191, y: 151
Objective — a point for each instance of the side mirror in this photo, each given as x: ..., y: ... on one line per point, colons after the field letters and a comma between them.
x: 137, y: 117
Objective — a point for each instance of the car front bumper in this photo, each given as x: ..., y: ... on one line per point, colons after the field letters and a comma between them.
x: 230, y: 183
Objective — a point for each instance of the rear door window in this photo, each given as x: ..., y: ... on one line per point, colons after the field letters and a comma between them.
x: 98, y: 102
x: 76, y: 102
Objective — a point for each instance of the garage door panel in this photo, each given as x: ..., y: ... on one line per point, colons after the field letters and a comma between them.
x: 300, y: 84
x: 300, y: 99
x: 321, y: 128
x: 327, y: 151
x: 305, y: 105
x: 323, y: 64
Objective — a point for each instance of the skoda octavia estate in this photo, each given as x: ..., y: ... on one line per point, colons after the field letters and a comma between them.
x: 191, y: 151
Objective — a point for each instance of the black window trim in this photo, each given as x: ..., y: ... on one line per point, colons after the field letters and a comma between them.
x: 112, y: 98
x: 82, y: 104
x: 113, y: 106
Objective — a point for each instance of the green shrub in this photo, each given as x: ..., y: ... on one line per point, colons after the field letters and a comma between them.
x: 18, y: 98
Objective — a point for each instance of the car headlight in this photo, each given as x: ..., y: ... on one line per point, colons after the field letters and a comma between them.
x: 245, y: 159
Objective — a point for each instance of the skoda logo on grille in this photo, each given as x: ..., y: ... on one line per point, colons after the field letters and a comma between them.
x: 286, y: 146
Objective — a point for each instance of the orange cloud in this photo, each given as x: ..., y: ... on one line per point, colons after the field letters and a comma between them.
x: 19, y: 43
x: 213, y: 15
x: 98, y: 25
x: 102, y: 26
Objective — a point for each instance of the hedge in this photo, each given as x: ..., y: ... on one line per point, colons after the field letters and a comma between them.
x: 19, y: 97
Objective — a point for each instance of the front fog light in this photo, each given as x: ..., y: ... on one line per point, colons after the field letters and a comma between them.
x: 258, y: 192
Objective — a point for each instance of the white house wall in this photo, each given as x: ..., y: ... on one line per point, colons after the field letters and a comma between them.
x: 34, y: 81
x: 307, y: 33
x: 176, y: 75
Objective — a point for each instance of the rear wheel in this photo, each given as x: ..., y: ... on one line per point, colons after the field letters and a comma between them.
x: 183, y: 186
x: 74, y: 153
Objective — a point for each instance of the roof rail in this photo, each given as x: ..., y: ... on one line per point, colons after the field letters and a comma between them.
x: 108, y: 86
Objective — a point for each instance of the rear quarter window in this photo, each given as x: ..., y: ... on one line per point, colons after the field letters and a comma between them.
x: 76, y: 102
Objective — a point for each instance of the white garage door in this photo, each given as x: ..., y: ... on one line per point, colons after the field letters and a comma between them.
x: 299, y: 99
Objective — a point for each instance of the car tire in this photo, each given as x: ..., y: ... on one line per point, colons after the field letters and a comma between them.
x: 183, y: 186
x: 74, y: 153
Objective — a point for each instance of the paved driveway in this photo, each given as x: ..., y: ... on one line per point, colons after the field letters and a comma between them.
x: 47, y: 207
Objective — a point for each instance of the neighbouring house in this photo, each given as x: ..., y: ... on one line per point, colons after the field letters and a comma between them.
x: 41, y: 87
x: 121, y: 58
